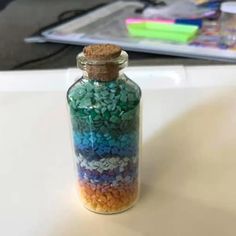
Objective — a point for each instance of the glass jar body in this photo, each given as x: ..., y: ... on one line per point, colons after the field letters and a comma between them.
x: 228, y: 29
x: 105, y: 121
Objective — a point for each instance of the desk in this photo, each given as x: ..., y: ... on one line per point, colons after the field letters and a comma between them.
x: 188, y: 167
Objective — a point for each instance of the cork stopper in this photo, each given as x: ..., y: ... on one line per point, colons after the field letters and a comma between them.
x: 102, y: 51
x: 101, y: 64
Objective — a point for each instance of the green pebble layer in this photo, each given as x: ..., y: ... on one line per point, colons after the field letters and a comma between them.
x: 104, y: 107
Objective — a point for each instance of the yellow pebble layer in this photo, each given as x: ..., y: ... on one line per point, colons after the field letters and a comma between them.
x: 108, y: 199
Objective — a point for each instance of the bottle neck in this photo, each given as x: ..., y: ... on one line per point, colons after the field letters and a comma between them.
x: 102, y: 70
x: 103, y: 77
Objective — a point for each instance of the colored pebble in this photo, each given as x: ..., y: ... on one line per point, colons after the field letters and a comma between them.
x: 104, y: 175
x: 107, y: 198
x: 111, y: 163
x: 105, y: 122
x: 92, y: 146
x: 122, y: 109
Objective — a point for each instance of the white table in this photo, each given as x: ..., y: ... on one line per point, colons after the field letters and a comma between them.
x: 188, y: 165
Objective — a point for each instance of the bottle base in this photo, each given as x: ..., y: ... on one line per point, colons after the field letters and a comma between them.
x: 110, y: 212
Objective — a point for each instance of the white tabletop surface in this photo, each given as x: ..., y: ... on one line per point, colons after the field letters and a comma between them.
x: 188, y: 170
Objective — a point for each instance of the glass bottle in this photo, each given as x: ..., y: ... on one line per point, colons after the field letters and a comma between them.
x: 105, y: 112
x: 228, y: 24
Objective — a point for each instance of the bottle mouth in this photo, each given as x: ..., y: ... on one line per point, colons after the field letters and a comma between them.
x: 121, y: 61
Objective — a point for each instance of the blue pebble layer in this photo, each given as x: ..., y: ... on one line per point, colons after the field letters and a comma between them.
x: 96, y: 146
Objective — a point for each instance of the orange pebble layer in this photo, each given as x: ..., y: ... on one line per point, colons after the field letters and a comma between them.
x: 106, y: 198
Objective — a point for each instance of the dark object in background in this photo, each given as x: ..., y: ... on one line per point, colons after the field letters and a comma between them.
x: 4, y: 3
x: 148, y: 3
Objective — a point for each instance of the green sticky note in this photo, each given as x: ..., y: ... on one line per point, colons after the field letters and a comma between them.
x: 169, y: 32
x: 178, y: 28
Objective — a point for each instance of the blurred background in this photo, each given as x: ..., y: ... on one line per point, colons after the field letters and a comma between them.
x: 22, y: 18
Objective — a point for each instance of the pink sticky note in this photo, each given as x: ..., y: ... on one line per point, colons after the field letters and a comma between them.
x: 140, y: 20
